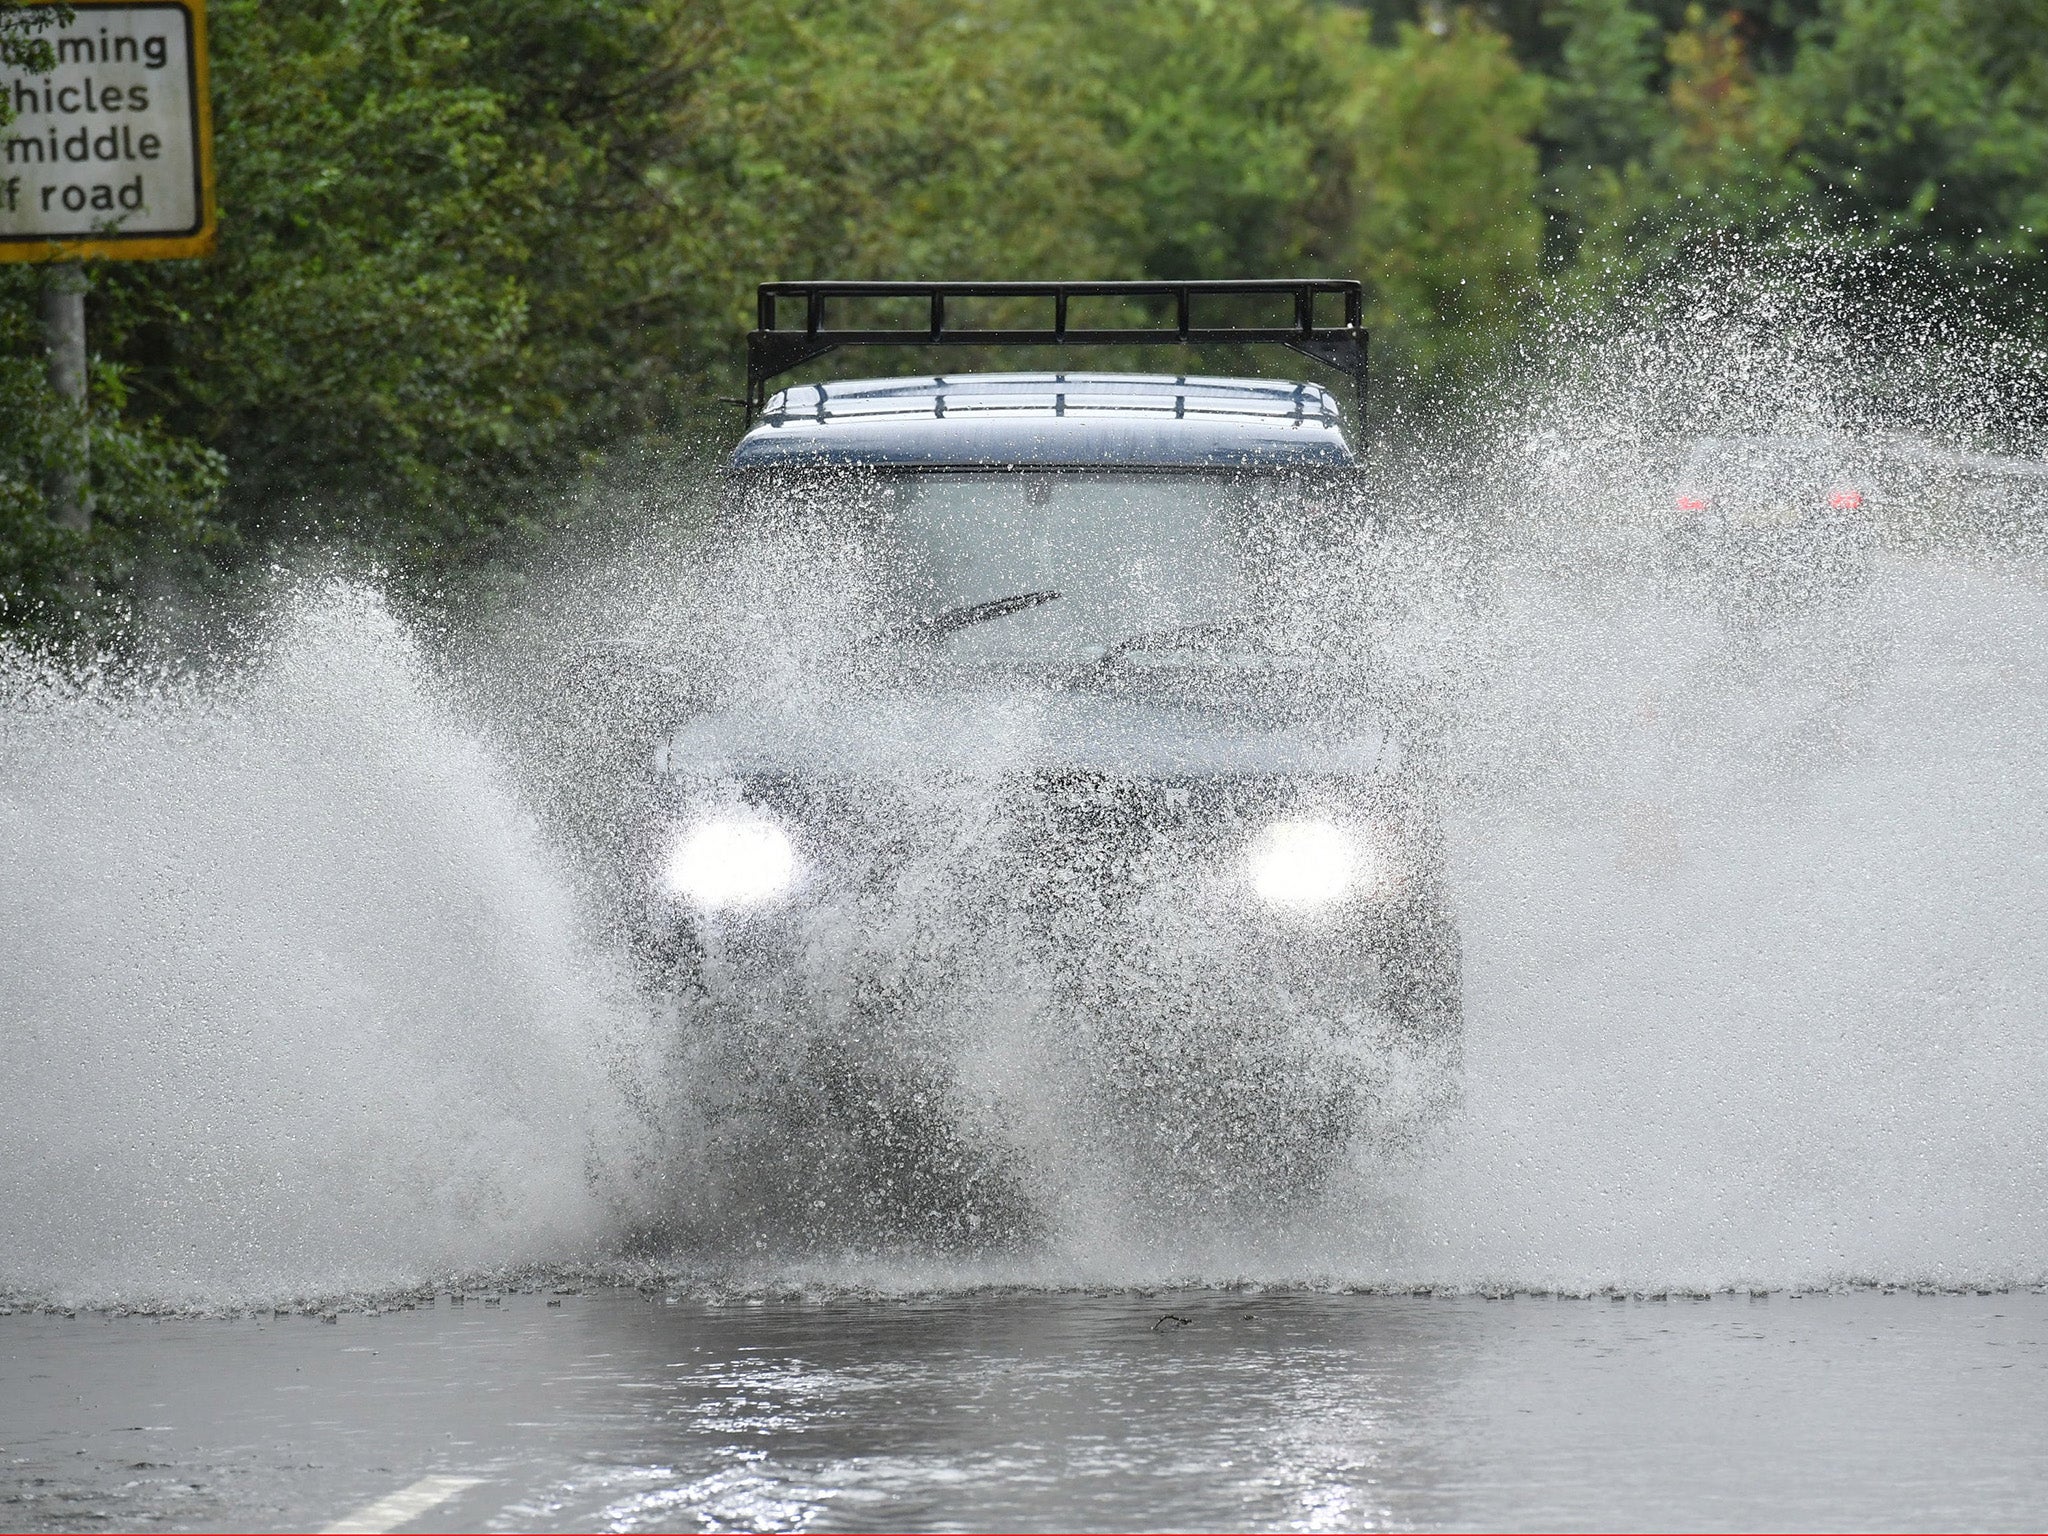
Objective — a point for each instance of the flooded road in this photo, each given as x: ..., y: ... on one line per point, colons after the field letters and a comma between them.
x: 1752, y: 1006
x: 1179, y: 1410
x: 322, y: 991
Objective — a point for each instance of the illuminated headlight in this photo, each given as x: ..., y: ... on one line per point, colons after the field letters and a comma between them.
x: 731, y: 862
x: 1313, y: 863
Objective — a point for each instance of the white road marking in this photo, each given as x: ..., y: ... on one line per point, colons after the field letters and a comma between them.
x: 402, y: 1507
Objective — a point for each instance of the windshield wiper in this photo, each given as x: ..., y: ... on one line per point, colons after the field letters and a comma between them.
x: 951, y: 620
x: 1180, y: 637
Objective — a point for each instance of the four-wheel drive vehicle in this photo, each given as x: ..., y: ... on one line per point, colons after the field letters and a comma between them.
x: 1089, y: 735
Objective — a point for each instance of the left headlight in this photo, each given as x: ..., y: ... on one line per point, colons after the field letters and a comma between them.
x: 1314, y: 863
x: 731, y: 862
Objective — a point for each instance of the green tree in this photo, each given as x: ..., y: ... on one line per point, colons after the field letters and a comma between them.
x: 469, y: 246
x: 468, y: 243
x: 1601, y: 115
x: 1297, y: 136
x: 1442, y: 177
x: 364, y: 345
x: 154, y: 494
x: 886, y: 139
x: 1222, y: 116
x: 1926, y: 127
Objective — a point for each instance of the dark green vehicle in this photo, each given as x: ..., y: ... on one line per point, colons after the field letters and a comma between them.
x: 1094, y: 805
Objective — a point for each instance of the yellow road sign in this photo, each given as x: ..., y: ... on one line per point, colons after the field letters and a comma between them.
x: 110, y: 154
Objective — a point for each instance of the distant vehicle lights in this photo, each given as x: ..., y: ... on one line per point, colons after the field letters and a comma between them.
x: 1840, y: 501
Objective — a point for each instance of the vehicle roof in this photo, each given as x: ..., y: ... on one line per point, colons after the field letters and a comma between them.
x: 1073, y: 420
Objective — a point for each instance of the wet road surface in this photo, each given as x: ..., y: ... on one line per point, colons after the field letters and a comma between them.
x: 625, y: 1411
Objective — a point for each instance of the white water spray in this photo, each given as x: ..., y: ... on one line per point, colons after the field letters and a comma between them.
x: 293, y: 1004
x: 296, y: 1003
x: 1756, y: 977
x: 1752, y: 912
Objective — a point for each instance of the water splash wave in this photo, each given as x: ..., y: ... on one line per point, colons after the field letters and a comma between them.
x: 299, y: 999
x: 294, y: 1003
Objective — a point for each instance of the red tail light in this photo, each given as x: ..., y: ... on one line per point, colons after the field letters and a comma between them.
x: 1845, y: 501
x: 1692, y: 503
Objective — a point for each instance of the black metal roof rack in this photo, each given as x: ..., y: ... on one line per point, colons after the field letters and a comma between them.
x: 773, y: 351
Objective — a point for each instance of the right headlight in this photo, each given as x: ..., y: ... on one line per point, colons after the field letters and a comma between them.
x: 1313, y: 863
x: 730, y: 861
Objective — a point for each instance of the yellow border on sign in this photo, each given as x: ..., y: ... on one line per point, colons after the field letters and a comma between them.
x: 199, y: 243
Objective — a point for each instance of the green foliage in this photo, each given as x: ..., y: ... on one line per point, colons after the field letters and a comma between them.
x: 366, y: 341
x: 154, y: 499
x: 1224, y: 120
x: 887, y: 138
x: 22, y: 44
x: 1714, y: 163
x: 1444, y: 181
x: 1601, y: 116
x: 1891, y: 124
x: 1288, y: 137
x: 470, y: 246
x: 1927, y: 125
x: 465, y: 244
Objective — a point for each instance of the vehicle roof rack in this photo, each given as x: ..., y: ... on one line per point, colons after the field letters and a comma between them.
x: 773, y: 351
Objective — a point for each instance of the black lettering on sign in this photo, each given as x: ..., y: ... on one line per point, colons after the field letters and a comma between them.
x: 45, y: 100
x: 100, y: 195
x: 108, y: 49
x: 104, y: 146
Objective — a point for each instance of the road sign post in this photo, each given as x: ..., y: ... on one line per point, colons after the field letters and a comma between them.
x: 108, y: 157
x: 64, y: 340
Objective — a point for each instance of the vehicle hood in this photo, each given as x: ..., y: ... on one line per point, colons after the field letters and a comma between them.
x: 987, y: 734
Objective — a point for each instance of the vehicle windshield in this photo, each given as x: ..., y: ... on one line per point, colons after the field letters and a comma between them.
x: 1127, y: 554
